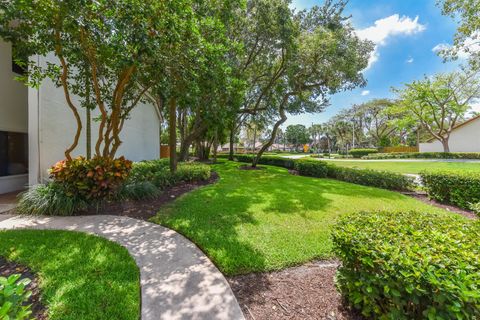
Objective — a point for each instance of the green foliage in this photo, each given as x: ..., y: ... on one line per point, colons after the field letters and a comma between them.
x: 297, y: 135
x: 358, y: 153
x: 137, y: 191
x: 312, y: 168
x: 374, y: 178
x: 459, y: 188
x: 409, y: 265
x: 49, y: 199
x: 268, y: 160
x: 424, y: 155
x: 93, y: 179
x: 81, y: 276
x: 13, y: 298
x: 475, y: 207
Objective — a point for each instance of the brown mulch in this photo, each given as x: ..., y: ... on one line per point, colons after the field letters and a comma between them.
x: 249, y: 167
x: 7, y: 268
x: 147, y: 208
x: 424, y: 198
x: 304, y: 292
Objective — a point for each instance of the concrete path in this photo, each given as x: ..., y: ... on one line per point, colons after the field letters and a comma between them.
x: 177, y: 280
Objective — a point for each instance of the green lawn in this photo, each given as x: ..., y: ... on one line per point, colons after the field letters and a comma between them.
x: 268, y: 219
x: 81, y: 276
x: 408, y: 167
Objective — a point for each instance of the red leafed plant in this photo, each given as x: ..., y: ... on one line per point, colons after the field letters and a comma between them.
x: 96, y: 178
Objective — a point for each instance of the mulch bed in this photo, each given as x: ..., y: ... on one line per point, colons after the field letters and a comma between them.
x: 425, y: 199
x: 304, y: 292
x: 8, y: 268
x: 147, y: 208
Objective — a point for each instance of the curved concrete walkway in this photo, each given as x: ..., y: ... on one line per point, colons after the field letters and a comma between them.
x: 177, y: 280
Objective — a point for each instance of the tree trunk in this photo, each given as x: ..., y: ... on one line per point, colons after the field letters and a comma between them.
x: 232, y: 137
x: 172, y: 121
x: 446, y: 147
x: 197, y: 131
x: 215, y: 146
x: 89, y: 133
x: 283, y: 118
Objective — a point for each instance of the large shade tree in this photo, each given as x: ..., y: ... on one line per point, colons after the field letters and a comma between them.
x: 102, y: 49
x: 438, y: 103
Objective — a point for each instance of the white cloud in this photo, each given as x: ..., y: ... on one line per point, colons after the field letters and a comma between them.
x: 385, y: 28
x: 409, y: 60
x: 471, y: 45
x: 475, y: 107
x: 365, y: 92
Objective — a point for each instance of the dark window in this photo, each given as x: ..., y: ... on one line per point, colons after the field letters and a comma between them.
x: 13, y: 153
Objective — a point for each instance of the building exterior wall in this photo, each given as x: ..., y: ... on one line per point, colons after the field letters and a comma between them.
x: 53, y: 126
x: 13, y: 111
x: 463, y: 139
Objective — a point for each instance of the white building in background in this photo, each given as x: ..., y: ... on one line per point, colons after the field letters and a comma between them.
x: 36, y: 127
x: 465, y: 137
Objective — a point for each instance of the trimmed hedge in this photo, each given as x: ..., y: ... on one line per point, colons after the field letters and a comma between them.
x: 267, y: 160
x: 454, y: 187
x: 409, y: 265
x: 424, y: 155
x: 322, y: 169
x: 358, y: 153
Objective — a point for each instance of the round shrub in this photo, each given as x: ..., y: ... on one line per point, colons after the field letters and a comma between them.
x: 409, y: 265
x: 97, y: 178
x: 358, y: 153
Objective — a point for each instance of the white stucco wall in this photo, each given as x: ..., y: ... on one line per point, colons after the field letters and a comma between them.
x: 465, y: 138
x: 13, y: 110
x: 53, y: 126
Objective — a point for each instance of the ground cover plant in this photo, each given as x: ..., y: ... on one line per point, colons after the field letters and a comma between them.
x: 409, y: 265
x: 270, y: 219
x: 14, y: 298
x: 413, y: 167
x: 81, y: 276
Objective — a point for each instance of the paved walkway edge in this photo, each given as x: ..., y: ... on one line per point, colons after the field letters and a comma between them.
x: 177, y: 280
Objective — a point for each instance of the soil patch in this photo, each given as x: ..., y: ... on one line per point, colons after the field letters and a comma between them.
x: 7, y: 268
x: 424, y: 198
x: 249, y: 167
x: 304, y: 292
x: 147, y: 208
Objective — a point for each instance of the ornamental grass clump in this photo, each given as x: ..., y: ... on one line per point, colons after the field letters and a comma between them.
x: 409, y: 265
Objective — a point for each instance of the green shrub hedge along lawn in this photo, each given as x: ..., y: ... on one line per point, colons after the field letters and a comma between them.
x: 461, y: 189
x: 409, y: 265
x: 424, y: 155
x: 414, y: 167
x: 358, y: 153
x: 81, y: 276
x: 269, y: 219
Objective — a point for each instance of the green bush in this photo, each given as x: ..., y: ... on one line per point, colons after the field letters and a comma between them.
x: 137, y: 191
x: 373, y: 178
x: 92, y: 179
x: 50, y: 199
x: 453, y: 187
x: 312, y: 168
x: 188, y: 172
x: 424, y: 155
x: 358, y: 153
x: 267, y: 160
x: 14, y: 298
x: 409, y: 265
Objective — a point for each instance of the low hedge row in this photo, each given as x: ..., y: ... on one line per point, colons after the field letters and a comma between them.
x: 366, y: 177
x: 409, y: 265
x: 424, y: 155
x: 322, y: 169
x: 358, y: 153
x: 453, y: 187
x: 267, y: 160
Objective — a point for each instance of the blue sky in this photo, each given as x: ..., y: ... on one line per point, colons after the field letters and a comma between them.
x: 405, y: 31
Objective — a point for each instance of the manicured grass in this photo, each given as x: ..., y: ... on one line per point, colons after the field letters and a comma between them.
x: 81, y: 276
x: 408, y: 167
x: 269, y: 219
